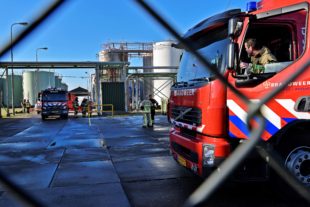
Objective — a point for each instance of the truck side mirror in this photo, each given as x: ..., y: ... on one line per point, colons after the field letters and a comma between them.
x: 231, y: 55
x: 234, y: 27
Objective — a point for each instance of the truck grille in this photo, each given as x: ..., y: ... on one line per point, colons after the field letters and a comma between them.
x: 54, y: 107
x: 193, y: 116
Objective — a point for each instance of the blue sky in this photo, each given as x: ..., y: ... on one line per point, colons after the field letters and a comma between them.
x: 78, y: 29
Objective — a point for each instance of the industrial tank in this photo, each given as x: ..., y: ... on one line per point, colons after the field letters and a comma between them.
x: 46, y: 80
x: 1, y: 90
x: 35, y: 81
x: 18, y: 91
x: 57, y: 81
x: 113, y: 55
x: 164, y: 55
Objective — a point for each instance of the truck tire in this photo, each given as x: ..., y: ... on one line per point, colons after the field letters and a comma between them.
x: 43, y: 117
x: 295, y: 151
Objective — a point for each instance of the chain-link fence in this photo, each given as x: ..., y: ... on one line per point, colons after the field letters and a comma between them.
x: 254, y: 112
x: 254, y: 139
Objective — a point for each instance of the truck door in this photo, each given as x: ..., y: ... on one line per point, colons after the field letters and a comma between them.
x: 284, y: 34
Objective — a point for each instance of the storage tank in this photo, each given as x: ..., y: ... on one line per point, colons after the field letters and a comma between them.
x: 1, y: 90
x: 57, y: 81
x: 113, y: 55
x: 34, y: 82
x: 164, y: 55
x: 18, y: 91
x: 46, y: 80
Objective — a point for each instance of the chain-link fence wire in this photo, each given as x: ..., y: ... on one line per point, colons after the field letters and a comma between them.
x: 227, y: 167
x: 20, y: 194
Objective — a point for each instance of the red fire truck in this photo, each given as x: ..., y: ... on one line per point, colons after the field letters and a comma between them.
x: 209, y: 120
x: 38, y: 104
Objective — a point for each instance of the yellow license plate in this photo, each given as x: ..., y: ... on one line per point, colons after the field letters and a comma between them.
x: 182, y: 161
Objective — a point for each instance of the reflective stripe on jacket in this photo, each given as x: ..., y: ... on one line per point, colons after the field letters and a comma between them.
x: 147, y: 105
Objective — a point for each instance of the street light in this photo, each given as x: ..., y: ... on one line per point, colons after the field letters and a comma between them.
x: 12, y: 77
x: 41, y: 48
x: 89, y: 86
x: 37, y: 72
x: 87, y: 81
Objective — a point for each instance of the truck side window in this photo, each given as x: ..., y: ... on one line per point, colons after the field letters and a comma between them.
x: 283, y: 34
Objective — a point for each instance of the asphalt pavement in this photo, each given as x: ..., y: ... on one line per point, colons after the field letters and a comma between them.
x: 105, y: 161
x: 87, y: 162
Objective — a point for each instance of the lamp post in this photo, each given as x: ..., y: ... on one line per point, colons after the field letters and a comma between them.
x: 37, y: 72
x: 41, y: 48
x: 87, y: 81
x: 12, y: 77
x: 7, y: 92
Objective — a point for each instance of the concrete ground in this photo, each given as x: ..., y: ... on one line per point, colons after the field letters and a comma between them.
x: 105, y: 161
x: 82, y: 162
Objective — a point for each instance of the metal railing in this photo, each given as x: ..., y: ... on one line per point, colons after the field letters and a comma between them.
x: 100, y: 109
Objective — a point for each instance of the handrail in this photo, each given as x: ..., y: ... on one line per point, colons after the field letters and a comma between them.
x: 100, y: 107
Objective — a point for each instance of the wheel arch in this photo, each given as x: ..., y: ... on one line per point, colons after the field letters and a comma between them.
x: 293, y: 132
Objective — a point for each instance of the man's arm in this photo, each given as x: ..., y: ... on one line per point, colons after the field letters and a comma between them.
x: 154, y: 102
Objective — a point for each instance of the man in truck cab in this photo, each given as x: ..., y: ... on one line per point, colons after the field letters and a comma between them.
x: 259, y: 55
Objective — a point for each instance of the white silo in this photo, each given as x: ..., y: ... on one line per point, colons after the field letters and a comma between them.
x: 34, y: 82
x: 29, y: 86
x: 164, y: 55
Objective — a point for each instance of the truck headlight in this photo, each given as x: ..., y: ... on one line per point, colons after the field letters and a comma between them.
x: 208, y: 155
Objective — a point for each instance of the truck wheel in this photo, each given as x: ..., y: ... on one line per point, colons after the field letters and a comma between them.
x: 43, y: 117
x: 298, y: 163
x: 295, y: 151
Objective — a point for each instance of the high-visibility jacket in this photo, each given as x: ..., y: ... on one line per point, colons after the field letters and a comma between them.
x: 146, y: 106
x: 75, y: 104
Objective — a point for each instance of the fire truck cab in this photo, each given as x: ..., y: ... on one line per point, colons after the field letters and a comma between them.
x: 54, y: 102
x: 209, y: 120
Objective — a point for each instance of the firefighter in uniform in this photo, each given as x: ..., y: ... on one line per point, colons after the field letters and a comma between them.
x: 145, y: 106
x: 23, y: 104
x: 28, y: 105
x: 260, y: 55
x: 90, y: 107
x: 84, y: 106
x: 154, y: 106
x: 76, y: 106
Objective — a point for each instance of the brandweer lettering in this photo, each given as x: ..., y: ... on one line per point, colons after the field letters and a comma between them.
x: 187, y: 92
x: 268, y: 84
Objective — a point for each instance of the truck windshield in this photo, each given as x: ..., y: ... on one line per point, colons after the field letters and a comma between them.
x: 54, y: 97
x: 192, y: 70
